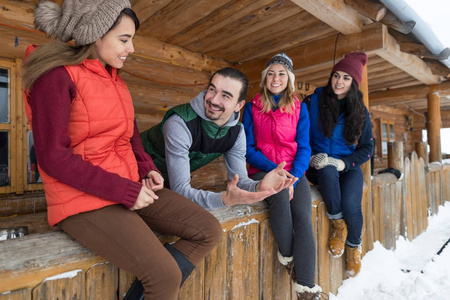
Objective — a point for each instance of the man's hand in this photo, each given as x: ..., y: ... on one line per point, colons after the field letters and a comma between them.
x: 145, y: 198
x: 154, y: 181
x: 277, y: 179
x: 234, y: 195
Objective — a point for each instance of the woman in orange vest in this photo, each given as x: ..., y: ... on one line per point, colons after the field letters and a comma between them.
x: 101, y: 187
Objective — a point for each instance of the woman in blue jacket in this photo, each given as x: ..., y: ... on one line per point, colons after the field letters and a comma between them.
x: 341, y: 141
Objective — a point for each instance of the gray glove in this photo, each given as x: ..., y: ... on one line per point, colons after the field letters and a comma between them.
x: 321, y: 160
x: 339, y: 164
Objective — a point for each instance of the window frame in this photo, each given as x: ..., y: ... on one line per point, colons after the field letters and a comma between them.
x: 390, y: 136
x: 17, y: 129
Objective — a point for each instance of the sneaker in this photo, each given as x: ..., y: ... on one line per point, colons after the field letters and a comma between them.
x: 288, y: 262
x: 338, y: 235
x: 352, y: 260
x: 307, y: 293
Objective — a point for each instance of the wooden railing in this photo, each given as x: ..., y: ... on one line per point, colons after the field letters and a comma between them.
x: 243, y: 265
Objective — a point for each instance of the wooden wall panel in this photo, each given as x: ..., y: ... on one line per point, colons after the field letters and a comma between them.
x: 24, y: 294
x: 242, y: 263
x: 193, y: 286
x: 215, y: 272
x: 63, y: 288
x: 102, y: 281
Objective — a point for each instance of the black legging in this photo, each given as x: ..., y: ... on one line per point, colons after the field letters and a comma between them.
x: 292, y: 228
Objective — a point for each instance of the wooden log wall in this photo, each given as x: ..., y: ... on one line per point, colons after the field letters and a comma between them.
x: 408, y: 126
x: 244, y: 264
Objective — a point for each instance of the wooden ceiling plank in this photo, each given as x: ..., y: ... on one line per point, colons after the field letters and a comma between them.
x: 335, y: 13
x: 144, y: 9
x: 177, y: 16
x: 227, y: 14
x: 154, y: 49
x: 413, y: 92
x: 410, y: 64
x: 320, y: 53
x: 276, y: 42
x: 253, y: 22
x: 373, y: 10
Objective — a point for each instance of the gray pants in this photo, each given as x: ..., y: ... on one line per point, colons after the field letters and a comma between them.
x: 292, y: 228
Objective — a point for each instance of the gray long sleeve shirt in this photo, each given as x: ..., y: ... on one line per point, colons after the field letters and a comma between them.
x: 178, y: 140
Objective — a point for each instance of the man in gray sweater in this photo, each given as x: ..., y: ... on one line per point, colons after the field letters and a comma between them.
x: 192, y: 135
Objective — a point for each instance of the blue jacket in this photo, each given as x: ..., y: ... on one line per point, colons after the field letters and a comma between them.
x: 353, y: 155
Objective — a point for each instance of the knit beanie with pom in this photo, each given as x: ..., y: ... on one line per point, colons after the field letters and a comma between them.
x: 284, y: 60
x: 353, y: 64
x: 84, y: 21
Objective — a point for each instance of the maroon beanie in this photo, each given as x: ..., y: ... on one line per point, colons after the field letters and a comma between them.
x: 353, y: 64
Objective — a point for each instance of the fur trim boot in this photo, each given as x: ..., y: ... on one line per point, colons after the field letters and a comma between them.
x: 307, y: 293
x: 288, y: 262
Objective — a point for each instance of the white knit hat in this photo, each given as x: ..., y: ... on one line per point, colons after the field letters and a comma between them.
x: 85, y: 21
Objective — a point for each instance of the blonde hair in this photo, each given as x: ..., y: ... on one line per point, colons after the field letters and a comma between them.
x: 51, y: 55
x: 287, y: 101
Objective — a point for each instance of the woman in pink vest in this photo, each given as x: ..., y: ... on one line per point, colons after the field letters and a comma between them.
x: 101, y: 187
x: 277, y: 129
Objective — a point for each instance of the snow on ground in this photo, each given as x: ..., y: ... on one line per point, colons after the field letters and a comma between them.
x: 411, y: 272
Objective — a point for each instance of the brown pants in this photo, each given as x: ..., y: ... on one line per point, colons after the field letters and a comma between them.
x: 126, y: 239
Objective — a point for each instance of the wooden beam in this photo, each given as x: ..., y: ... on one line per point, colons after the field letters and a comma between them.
x: 151, y: 48
x: 411, y: 64
x: 437, y: 68
x: 334, y: 13
x: 393, y: 22
x: 373, y: 10
x: 320, y: 53
x: 408, y: 93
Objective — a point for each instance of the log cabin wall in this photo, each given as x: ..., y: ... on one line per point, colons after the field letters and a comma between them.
x: 408, y: 126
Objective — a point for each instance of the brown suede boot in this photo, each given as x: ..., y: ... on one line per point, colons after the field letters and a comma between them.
x: 352, y: 260
x: 337, y: 238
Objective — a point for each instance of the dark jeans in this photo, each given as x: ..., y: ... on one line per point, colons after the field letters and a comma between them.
x: 126, y: 239
x: 292, y: 228
x: 342, y: 194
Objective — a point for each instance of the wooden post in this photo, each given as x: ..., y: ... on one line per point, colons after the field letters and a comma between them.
x: 422, y: 152
x: 367, y: 193
x: 434, y: 127
x: 395, y: 155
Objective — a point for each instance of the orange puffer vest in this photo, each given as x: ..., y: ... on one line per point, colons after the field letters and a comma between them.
x: 100, y: 128
x: 275, y: 133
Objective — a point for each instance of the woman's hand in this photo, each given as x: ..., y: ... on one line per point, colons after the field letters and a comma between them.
x: 154, y: 181
x: 145, y: 198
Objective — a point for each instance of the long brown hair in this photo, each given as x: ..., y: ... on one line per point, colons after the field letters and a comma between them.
x: 354, y: 115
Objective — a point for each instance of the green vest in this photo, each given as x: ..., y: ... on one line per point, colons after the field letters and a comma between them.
x: 209, y: 141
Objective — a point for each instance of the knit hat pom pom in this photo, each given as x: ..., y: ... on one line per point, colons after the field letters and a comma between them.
x: 47, y: 16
